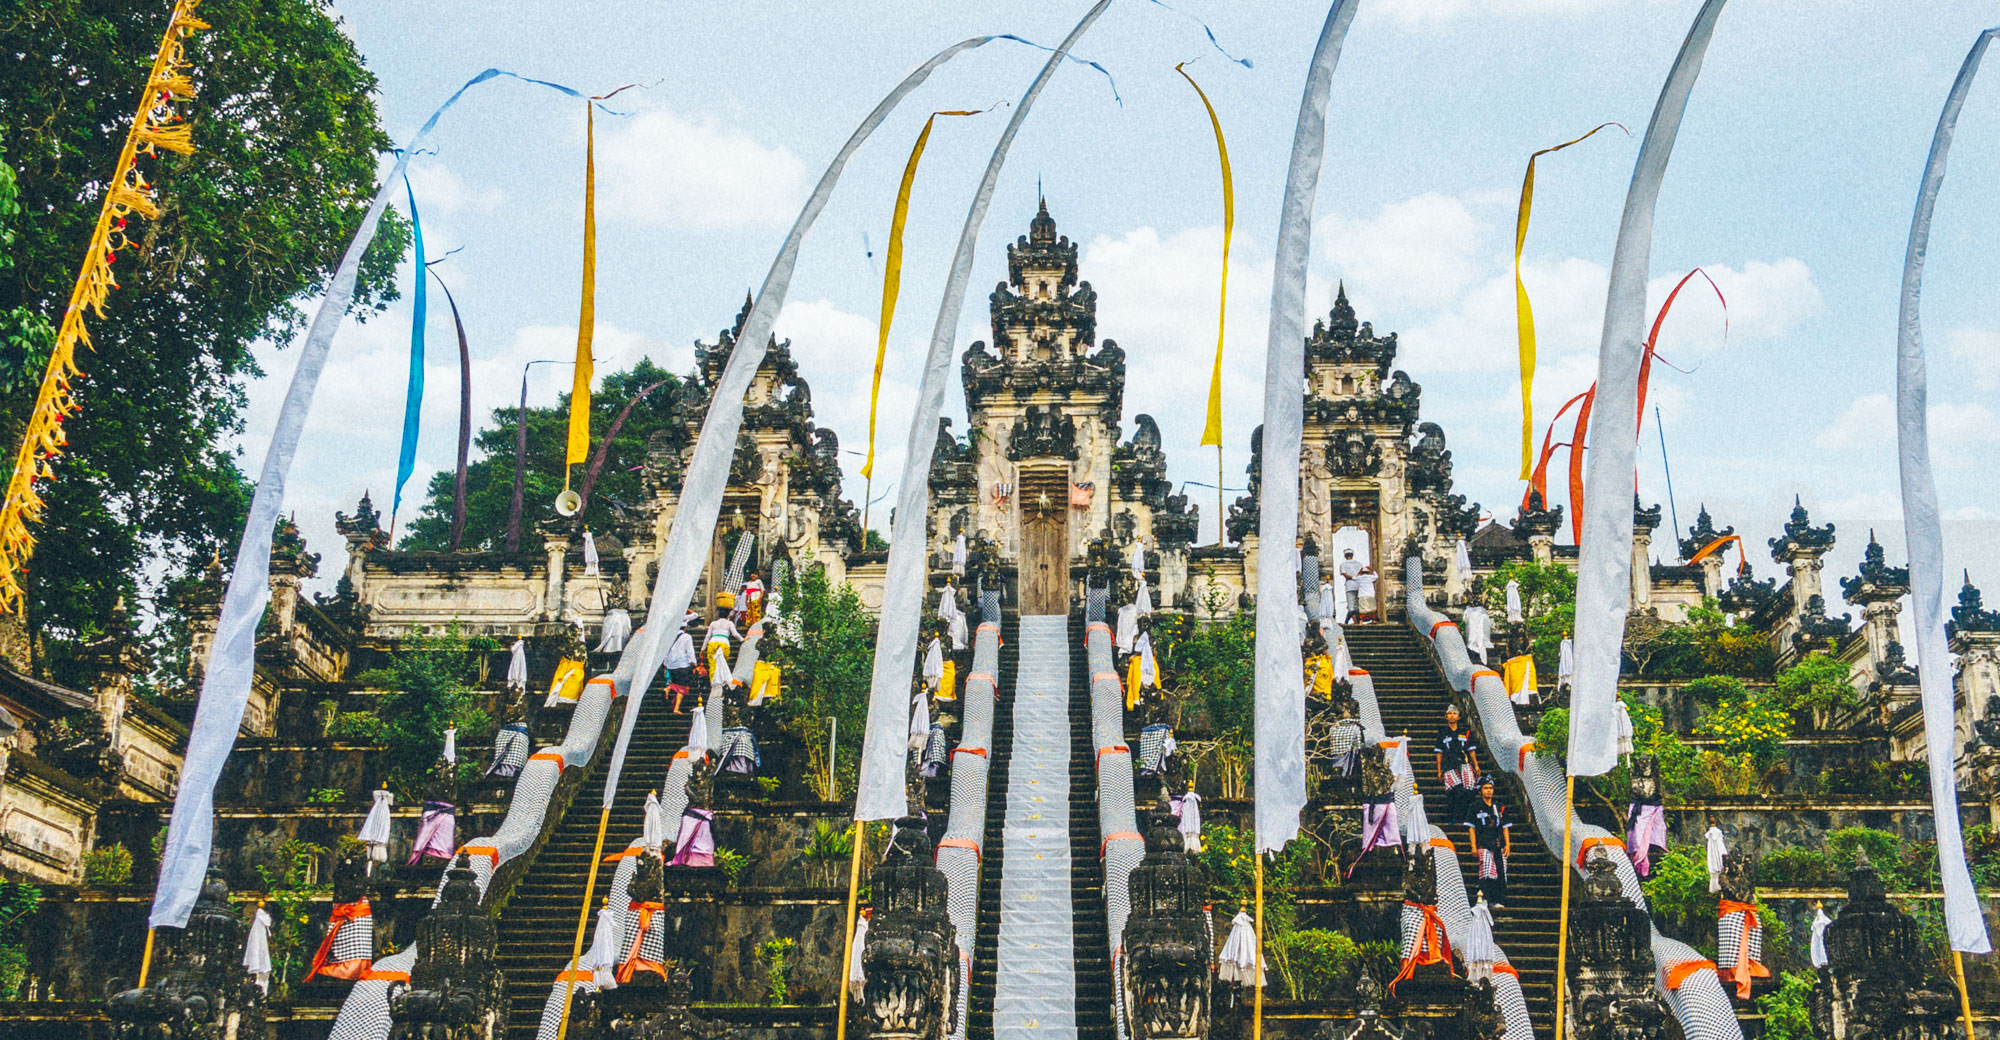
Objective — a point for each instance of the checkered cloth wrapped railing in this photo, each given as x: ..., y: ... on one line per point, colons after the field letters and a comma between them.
x: 1698, y: 1000
x: 364, y: 1015
x: 1116, y: 818
x: 965, y: 820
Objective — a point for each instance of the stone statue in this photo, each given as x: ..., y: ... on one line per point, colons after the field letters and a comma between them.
x: 911, y: 958
x: 456, y: 991
x: 1164, y: 977
x: 198, y: 988
x: 1611, y: 980
x: 606, y: 1015
x: 1878, y: 983
x: 1368, y: 1023
x: 1479, y: 1017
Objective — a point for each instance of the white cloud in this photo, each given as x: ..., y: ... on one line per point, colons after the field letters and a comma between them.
x: 1421, y: 251
x: 1977, y: 350
x: 1767, y: 301
x: 835, y: 351
x: 444, y: 193
x: 1870, y: 422
x: 662, y: 169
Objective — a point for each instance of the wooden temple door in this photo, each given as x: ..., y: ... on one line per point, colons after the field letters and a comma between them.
x: 1044, y: 543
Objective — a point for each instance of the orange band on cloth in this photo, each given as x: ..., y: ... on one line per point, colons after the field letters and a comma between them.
x: 980, y: 675
x: 343, y: 914
x: 1504, y: 968
x: 959, y: 843
x: 1101, y: 676
x: 1119, y: 836
x: 633, y: 962
x: 984, y: 625
x: 576, y: 975
x: 1485, y: 672
x: 682, y: 753
x: 1745, y: 970
x: 1357, y: 671
x: 371, y: 975
x: 1521, y: 760
x: 492, y: 854
x: 1115, y: 749
x: 1444, y: 843
x: 1433, y: 947
x: 1442, y: 624
x: 980, y: 751
x: 606, y: 680
x: 550, y: 756
x: 1094, y: 626
x: 1591, y: 843
x: 1678, y: 973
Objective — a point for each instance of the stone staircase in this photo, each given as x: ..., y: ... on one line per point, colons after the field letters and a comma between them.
x: 1412, y: 696
x: 538, y: 926
x: 993, y: 847
x: 1094, y: 984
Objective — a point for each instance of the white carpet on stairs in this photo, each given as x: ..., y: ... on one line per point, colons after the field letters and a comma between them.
x: 1035, y: 988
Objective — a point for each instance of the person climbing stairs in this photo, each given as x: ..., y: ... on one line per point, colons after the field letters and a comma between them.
x: 1412, y: 695
x: 993, y: 847
x: 538, y: 927
x: 1090, y: 931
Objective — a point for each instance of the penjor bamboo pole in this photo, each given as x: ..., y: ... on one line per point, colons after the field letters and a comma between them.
x: 1964, y: 999
x: 847, y: 962
x: 1562, y: 926
x: 146, y: 964
x: 1257, y: 1005
x: 582, y: 920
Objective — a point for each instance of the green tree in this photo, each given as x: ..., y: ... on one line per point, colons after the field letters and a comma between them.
x: 429, y: 688
x: 1548, y: 601
x: 286, y: 139
x: 1817, y: 681
x: 489, y: 481
x: 828, y: 656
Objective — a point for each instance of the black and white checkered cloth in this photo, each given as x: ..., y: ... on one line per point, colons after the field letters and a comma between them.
x: 1309, y: 586
x: 355, y: 941
x: 510, y: 750
x: 1117, y: 818
x: 739, y: 752
x: 1700, y: 1004
x: 1153, y: 747
x: 965, y: 820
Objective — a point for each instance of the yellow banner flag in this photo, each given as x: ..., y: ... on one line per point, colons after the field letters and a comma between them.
x: 1211, y: 433
x: 892, y: 276
x: 1524, y: 315
x: 586, y: 323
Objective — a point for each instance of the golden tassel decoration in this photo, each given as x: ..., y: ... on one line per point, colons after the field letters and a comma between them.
x: 157, y: 127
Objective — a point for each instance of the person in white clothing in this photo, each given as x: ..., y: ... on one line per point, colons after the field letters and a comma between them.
x: 1350, y: 575
x: 1365, y: 582
x: 679, y: 664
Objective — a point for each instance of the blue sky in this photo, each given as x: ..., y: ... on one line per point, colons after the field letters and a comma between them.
x: 1792, y: 185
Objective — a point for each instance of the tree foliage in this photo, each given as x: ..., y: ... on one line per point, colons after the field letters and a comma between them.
x: 489, y: 481
x: 286, y: 139
x: 1548, y: 602
x: 828, y: 655
x: 429, y: 683
x: 1706, y: 643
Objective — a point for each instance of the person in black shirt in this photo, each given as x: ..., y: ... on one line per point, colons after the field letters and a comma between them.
x: 1491, y: 842
x: 1457, y: 765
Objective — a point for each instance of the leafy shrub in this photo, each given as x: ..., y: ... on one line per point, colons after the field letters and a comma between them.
x: 1381, y: 958
x: 731, y: 862
x: 1552, y: 734
x: 1877, y: 779
x: 1749, y: 725
x: 1312, y: 962
x: 1816, y: 682
x: 1708, y: 642
x: 1786, y: 1011
x: 1799, y: 868
x: 1714, y: 689
x: 1212, y: 664
x: 775, y: 956
x: 327, y: 796
x: 1716, y: 773
x: 1227, y: 855
x: 1678, y: 892
x: 828, y: 655
x: 429, y: 683
x: 18, y: 903
x: 829, y: 851
x: 108, y: 865
x: 291, y: 884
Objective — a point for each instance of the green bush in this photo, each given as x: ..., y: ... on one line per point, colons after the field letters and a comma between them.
x: 1312, y: 962
x: 291, y: 885
x: 1714, y: 689
x: 1678, y: 892
x: 776, y: 957
x: 1716, y: 773
x: 429, y: 689
x: 1748, y: 725
x: 108, y: 865
x: 1706, y: 643
x: 1381, y: 958
x: 731, y: 862
x: 1787, y: 1014
x: 1228, y: 858
x: 1548, y: 602
x: 1552, y: 735
x: 828, y: 655
x: 1815, y: 682
x: 1798, y: 867
x: 18, y: 903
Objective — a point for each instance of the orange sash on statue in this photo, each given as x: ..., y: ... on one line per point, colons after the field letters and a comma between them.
x: 1678, y: 972
x: 633, y: 962
x: 1745, y: 969
x: 1432, y: 946
x: 343, y: 913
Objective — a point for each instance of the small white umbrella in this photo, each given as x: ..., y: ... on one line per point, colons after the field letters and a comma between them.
x: 653, y: 829
x: 601, y: 960
x: 517, y: 666
x: 1190, y: 825
x: 616, y: 629
x: 257, y: 950
x: 1464, y: 559
x: 451, y: 744
x: 1238, y: 961
x: 1820, y: 921
x: 1717, y: 849
x: 1481, y: 952
x: 375, y: 829
x: 590, y: 559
